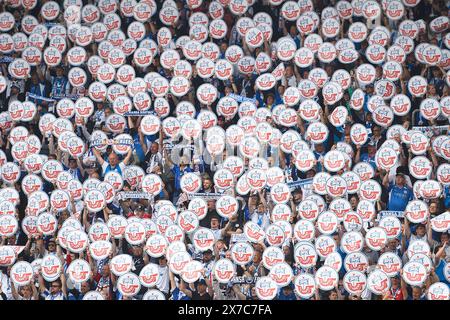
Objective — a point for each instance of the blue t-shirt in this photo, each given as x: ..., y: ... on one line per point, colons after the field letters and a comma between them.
x: 178, y: 295
x: 399, y: 197
x: 440, y: 272
x: 370, y: 160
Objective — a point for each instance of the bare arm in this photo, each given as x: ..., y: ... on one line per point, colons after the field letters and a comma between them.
x: 63, y: 284
x: 238, y: 292
x: 184, y: 289
x: 98, y: 156
x: 128, y: 156
x: 14, y: 291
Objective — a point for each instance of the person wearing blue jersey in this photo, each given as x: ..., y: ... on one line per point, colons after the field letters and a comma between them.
x: 113, y: 163
x: 399, y: 193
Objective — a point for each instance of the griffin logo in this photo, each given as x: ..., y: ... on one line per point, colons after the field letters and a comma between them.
x: 128, y: 288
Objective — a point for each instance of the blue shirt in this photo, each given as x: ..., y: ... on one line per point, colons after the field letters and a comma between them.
x: 440, y: 272
x: 399, y: 197
x: 370, y: 160
x: 178, y: 295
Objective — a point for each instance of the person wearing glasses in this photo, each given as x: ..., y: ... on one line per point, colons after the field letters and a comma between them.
x: 57, y: 290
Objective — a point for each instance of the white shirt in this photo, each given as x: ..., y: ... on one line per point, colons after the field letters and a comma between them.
x: 6, y: 286
x: 105, y: 165
x: 163, y: 281
x: 49, y: 296
x: 265, y: 220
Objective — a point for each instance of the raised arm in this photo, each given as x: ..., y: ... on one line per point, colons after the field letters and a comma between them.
x: 98, y: 156
x: 128, y: 156
x: 238, y: 292
x: 184, y: 289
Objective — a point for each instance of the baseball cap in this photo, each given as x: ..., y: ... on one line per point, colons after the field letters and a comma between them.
x: 201, y: 282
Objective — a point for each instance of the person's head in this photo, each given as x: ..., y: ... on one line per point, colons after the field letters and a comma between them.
x: 376, y: 130
x: 400, y: 179
x: 73, y: 163
x: 211, y: 203
x: 108, y: 112
x: 392, y: 244
x: 347, y: 138
x: 336, y: 238
x: 260, y: 208
x: 289, y: 71
x: 201, y: 286
x: 214, y: 223
x: 354, y: 202
x: 59, y: 71
x: 432, y: 90
x: 287, y: 290
x: 293, y: 31
x: 223, y: 47
x: 154, y: 148
x: 420, y: 230
x: 253, y: 199
x: 113, y: 159
x: 433, y: 208
x: 253, y: 294
x: 354, y: 297
x: 136, y: 251
x: 162, y: 261
x: 51, y: 247
x: 371, y: 148
x: 85, y: 287
x: 26, y: 291
x: 436, y: 73
x: 257, y: 257
x: 369, y: 89
x: 55, y: 287
x: 228, y: 90
x: 34, y: 78
x: 395, y: 281
x: 297, y: 196
x: 207, y: 183
x: 221, y: 122
x: 443, y: 255
x: 416, y: 292
x: 310, y: 173
x: 106, y: 270
x: 319, y: 147
x: 270, y: 99
x: 445, y: 237
x: 286, y: 250
x: 207, y: 256
x: 333, y: 295
x: 220, y: 244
